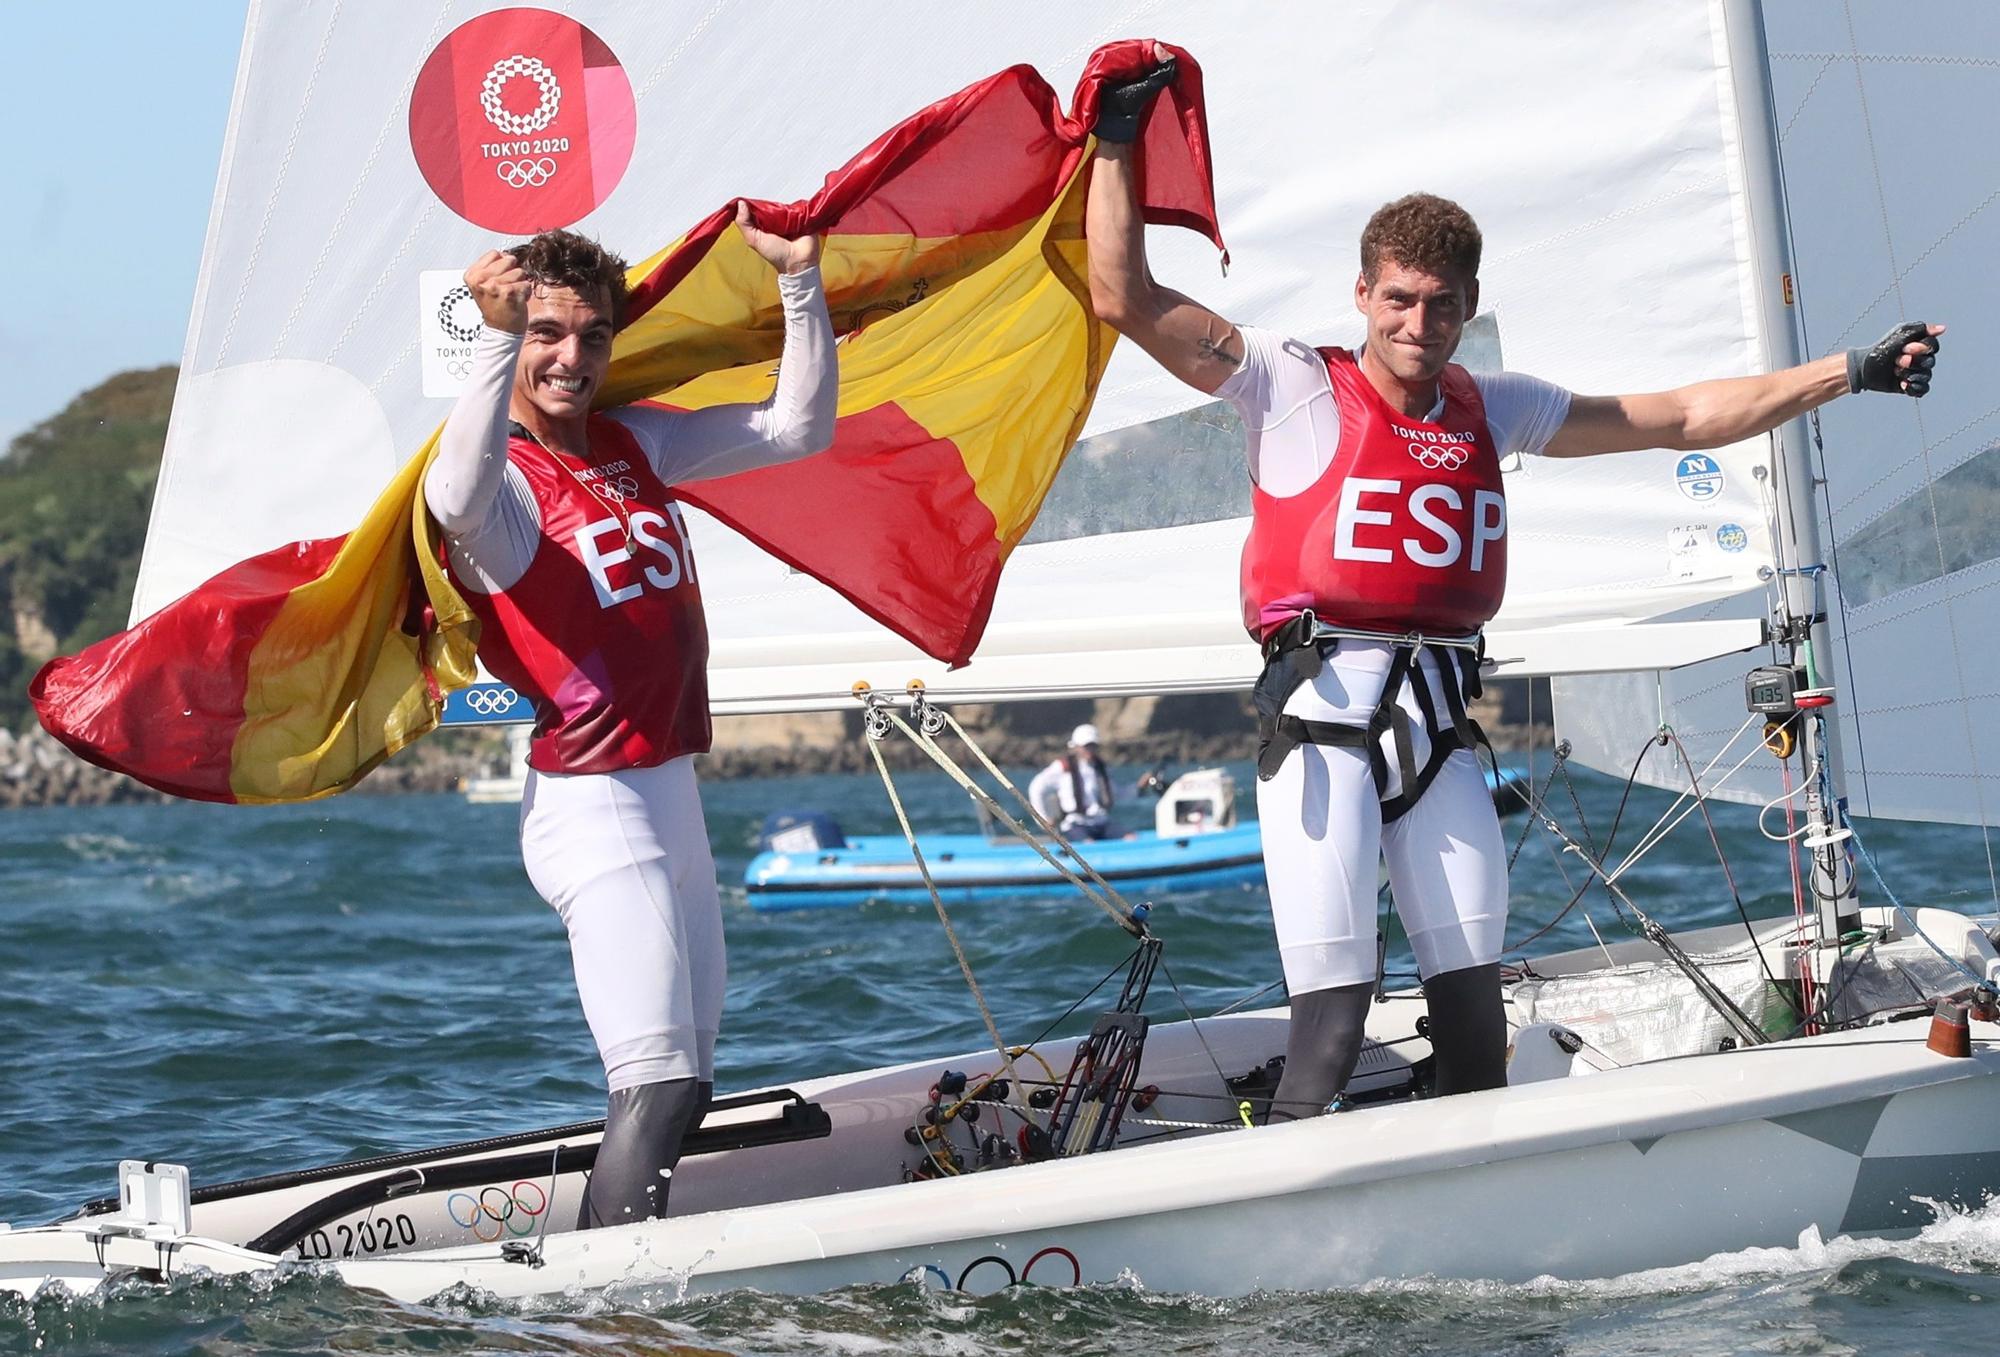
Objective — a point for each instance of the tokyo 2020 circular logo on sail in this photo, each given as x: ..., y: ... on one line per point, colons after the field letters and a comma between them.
x: 522, y: 120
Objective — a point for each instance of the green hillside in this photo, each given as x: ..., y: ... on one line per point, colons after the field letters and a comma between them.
x: 75, y: 492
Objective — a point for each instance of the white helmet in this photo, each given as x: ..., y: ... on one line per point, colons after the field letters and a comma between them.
x: 1085, y: 734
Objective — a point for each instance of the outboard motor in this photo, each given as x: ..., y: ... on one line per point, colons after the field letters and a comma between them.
x: 1197, y: 803
x: 799, y: 831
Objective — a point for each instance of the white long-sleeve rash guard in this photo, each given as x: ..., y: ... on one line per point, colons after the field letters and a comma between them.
x: 485, y: 507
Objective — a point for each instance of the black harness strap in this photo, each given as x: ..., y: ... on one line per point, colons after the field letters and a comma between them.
x: 1459, y: 694
x: 1389, y: 716
x: 1070, y: 764
x: 1292, y: 659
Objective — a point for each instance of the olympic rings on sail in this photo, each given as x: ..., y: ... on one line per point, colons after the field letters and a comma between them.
x: 491, y: 700
x: 498, y: 1210
x: 525, y: 173
x: 520, y: 125
x: 1442, y: 457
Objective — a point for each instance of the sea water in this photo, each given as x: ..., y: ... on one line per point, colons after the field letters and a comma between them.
x: 248, y: 990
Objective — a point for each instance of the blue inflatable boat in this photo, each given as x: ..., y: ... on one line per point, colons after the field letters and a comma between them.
x: 807, y: 863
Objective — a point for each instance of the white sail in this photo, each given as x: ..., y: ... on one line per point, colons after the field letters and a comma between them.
x: 1892, y: 179
x: 1595, y: 144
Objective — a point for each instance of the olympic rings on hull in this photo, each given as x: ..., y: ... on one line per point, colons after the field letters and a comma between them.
x: 983, y: 1267
x: 978, y: 1263
x: 1056, y: 1251
x: 498, y: 1210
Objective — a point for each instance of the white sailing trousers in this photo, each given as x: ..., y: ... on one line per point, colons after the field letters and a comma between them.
x: 1324, y: 839
x: 624, y: 859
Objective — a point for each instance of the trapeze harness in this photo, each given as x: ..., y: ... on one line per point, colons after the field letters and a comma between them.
x: 1402, y: 539
x: 1069, y: 763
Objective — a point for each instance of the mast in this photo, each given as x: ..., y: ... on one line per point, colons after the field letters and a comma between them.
x: 1800, y: 621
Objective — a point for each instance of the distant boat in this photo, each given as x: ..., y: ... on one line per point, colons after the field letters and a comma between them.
x: 503, y: 787
x: 1195, y: 844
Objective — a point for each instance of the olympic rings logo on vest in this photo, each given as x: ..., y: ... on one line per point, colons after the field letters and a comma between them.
x: 618, y: 491
x: 498, y: 1210
x: 1442, y: 457
x: 522, y: 120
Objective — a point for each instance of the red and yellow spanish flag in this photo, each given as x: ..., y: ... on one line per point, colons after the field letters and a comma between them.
x: 956, y: 276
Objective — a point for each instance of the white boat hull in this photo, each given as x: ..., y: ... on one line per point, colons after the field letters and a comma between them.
x: 1771, y: 1142
x: 1596, y: 1173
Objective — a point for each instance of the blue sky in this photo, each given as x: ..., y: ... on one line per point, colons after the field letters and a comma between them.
x: 115, y: 159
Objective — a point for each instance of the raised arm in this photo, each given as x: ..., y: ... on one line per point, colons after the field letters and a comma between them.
x: 796, y: 421
x: 1182, y: 335
x: 471, y: 462
x: 1714, y: 414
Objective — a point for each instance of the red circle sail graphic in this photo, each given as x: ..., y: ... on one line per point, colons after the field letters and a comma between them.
x: 522, y: 120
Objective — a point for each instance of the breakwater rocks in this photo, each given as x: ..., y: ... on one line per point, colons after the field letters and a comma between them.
x: 1139, y: 733
x: 36, y: 770
x: 1007, y: 748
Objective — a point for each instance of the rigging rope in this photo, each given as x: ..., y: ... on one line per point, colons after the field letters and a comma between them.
x: 880, y: 718
x: 1734, y: 894
x: 957, y: 949
x: 1801, y: 920
x: 1100, y: 892
x: 1661, y: 827
x: 1659, y: 937
x: 1538, y: 812
x: 1847, y: 823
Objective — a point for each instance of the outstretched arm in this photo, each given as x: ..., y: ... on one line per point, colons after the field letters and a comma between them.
x: 1182, y: 335
x: 1713, y: 414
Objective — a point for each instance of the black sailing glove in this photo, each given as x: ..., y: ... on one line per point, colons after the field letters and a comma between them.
x: 1874, y: 368
x: 1121, y: 107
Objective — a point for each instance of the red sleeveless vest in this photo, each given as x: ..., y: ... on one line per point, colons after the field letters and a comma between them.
x: 606, y: 637
x: 1405, y: 530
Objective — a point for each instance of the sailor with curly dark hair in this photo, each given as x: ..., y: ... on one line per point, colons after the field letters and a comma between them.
x: 565, y: 538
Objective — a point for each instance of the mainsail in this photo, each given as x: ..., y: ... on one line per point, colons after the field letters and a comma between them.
x: 1886, y: 222
x: 1602, y: 163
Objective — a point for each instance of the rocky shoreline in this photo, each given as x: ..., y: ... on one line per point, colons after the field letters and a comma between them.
x: 35, y: 770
